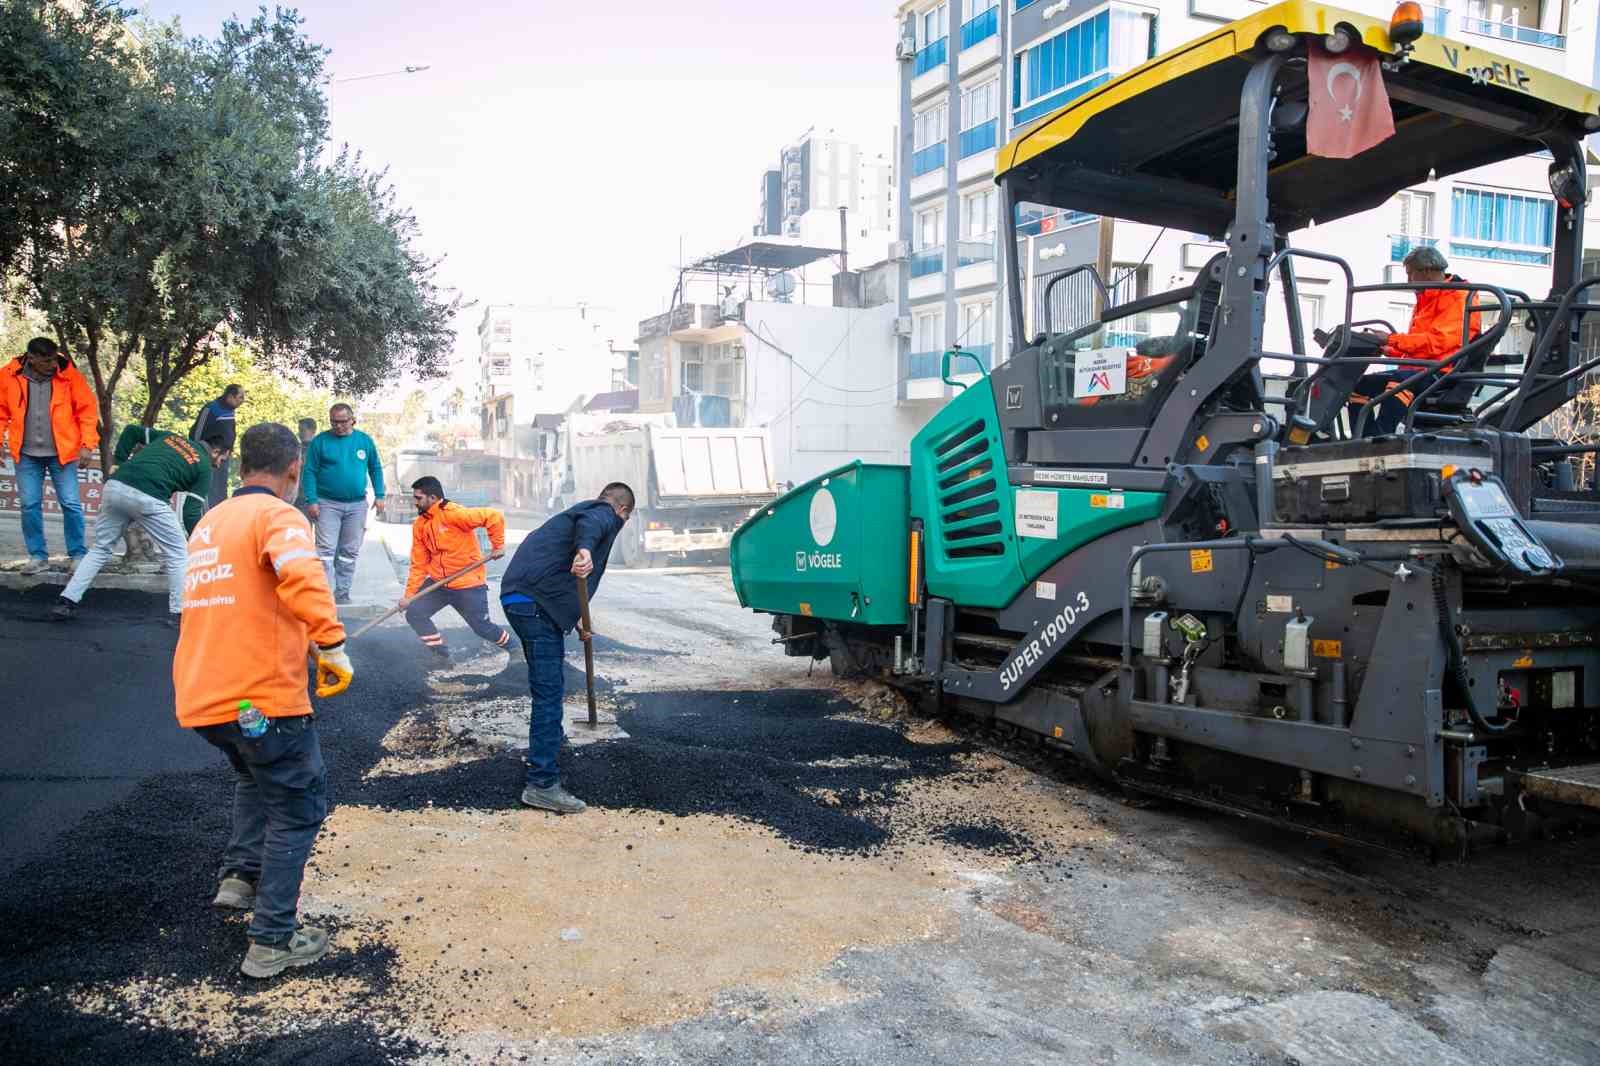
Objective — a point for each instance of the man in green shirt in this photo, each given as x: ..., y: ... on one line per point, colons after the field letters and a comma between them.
x: 152, y: 466
x: 334, y: 477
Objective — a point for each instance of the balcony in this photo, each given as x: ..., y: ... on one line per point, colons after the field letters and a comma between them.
x: 1400, y: 245
x: 963, y: 367
x: 923, y: 364
x: 927, y: 160
x: 927, y: 261
x: 977, y: 251
x: 931, y: 56
x: 980, y: 28
x: 1509, y: 31
x: 931, y: 364
x: 979, y: 138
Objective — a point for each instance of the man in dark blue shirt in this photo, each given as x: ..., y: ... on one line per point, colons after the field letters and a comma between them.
x: 216, y: 425
x: 540, y: 599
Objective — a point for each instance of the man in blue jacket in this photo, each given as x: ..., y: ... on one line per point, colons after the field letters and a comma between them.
x: 334, y: 479
x: 540, y: 599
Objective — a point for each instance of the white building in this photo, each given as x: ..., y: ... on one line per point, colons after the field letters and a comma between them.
x: 537, y: 360
x: 822, y: 379
x: 973, y: 72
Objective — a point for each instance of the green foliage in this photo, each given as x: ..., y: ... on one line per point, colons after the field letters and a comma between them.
x: 269, y: 396
x: 174, y: 203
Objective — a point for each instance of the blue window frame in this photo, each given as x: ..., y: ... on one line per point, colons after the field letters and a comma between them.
x: 980, y: 27
x: 1400, y: 245
x: 1502, y: 226
x: 979, y: 138
x: 933, y: 55
x: 929, y: 159
x: 1081, y: 57
x: 927, y: 261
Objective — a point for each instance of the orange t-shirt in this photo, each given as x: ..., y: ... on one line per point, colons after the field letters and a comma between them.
x: 255, y: 596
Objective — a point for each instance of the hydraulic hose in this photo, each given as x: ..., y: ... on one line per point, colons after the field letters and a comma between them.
x: 1455, y: 666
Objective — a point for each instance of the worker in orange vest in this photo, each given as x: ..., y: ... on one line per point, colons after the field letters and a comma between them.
x: 443, y: 540
x: 1433, y: 335
x: 256, y: 597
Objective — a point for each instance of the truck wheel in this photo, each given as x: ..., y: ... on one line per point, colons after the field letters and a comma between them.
x: 631, y: 547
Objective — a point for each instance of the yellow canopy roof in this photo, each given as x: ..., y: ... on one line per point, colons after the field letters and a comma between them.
x: 1160, y: 143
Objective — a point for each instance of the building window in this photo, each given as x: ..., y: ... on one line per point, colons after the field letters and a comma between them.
x: 1082, y: 56
x: 982, y: 21
x: 1510, y: 20
x: 692, y: 360
x: 977, y: 332
x: 928, y: 251
x: 1502, y: 226
x: 978, y: 215
x: 980, y: 110
x: 1413, y: 225
x: 933, y: 27
x: 927, y: 344
x: 929, y: 129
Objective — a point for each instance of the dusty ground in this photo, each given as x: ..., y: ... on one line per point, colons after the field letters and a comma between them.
x: 774, y: 869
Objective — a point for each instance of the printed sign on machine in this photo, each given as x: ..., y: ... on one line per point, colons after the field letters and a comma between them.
x: 1037, y: 513
x: 1101, y: 372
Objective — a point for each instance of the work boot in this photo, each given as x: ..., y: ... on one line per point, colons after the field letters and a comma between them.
x: 64, y: 610
x: 438, y: 656
x: 34, y: 566
x: 555, y: 798
x: 343, y: 597
x: 236, y: 893
x: 306, y: 946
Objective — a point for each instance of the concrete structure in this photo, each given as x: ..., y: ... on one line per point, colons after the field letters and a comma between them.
x: 973, y: 72
x: 822, y: 380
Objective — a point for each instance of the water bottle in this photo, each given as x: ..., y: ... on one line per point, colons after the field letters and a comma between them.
x: 252, y: 723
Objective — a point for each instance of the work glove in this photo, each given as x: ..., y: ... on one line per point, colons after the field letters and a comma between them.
x: 334, y: 671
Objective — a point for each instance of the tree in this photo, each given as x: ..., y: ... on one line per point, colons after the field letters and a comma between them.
x: 199, y: 212
x: 271, y: 397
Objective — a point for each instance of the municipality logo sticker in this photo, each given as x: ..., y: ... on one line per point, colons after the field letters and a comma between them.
x: 799, y: 560
x: 361, y: 453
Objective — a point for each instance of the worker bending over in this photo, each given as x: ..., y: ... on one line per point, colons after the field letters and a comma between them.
x: 443, y: 540
x: 540, y: 597
x: 256, y: 597
x: 1435, y: 334
x: 152, y: 465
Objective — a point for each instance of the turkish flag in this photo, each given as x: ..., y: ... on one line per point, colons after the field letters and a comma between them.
x: 1349, y: 105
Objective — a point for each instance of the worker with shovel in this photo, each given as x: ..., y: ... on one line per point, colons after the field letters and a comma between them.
x: 444, y: 539
x: 542, y: 603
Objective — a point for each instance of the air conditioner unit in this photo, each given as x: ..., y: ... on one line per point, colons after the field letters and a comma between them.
x: 899, y: 250
x: 902, y: 326
x: 906, y: 48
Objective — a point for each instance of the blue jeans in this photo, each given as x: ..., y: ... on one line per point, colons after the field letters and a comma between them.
x: 31, y: 470
x: 545, y: 646
x: 280, y: 798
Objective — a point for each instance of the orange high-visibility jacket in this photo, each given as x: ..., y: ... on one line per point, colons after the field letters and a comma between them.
x: 74, y: 415
x: 1435, y: 331
x: 442, y: 542
x: 255, y: 595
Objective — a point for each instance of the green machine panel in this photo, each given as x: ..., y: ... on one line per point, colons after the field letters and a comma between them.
x: 836, y: 547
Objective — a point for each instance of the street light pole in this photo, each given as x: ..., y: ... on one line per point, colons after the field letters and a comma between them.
x: 413, y: 68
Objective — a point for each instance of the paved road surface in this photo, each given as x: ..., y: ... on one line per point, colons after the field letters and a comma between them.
x: 775, y: 869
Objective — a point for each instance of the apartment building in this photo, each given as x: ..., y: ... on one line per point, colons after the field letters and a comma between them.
x: 973, y: 73
x: 536, y: 360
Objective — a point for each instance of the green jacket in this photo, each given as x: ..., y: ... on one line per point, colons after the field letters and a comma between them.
x: 168, y: 464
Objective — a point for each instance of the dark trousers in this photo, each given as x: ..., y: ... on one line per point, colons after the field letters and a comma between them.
x: 471, y: 604
x: 280, y: 797
x: 219, y: 484
x: 1392, y: 411
x: 545, y: 646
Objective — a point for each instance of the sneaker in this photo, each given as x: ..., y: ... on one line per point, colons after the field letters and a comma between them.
x: 555, y: 798
x: 306, y: 946
x: 236, y: 893
x: 34, y: 566
x: 64, y: 610
x: 343, y: 597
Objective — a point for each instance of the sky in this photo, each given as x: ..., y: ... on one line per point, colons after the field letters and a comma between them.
x: 559, y: 152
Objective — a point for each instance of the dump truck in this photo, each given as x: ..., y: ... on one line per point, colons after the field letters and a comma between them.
x: 693, y: 486
x: 1126, y: 544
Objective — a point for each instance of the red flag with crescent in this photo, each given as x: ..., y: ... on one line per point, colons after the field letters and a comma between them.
x: 1349, y: 105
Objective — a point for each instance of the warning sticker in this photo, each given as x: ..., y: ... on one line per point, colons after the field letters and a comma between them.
x: 1202, y: 443
x: 1200, y: 561
x: 1101, y: 372
x: 1045, y: 590
x: 1113, y: 501
x: 1280, y: 604
x: 1037, y: 513
x: 1328, y: 649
